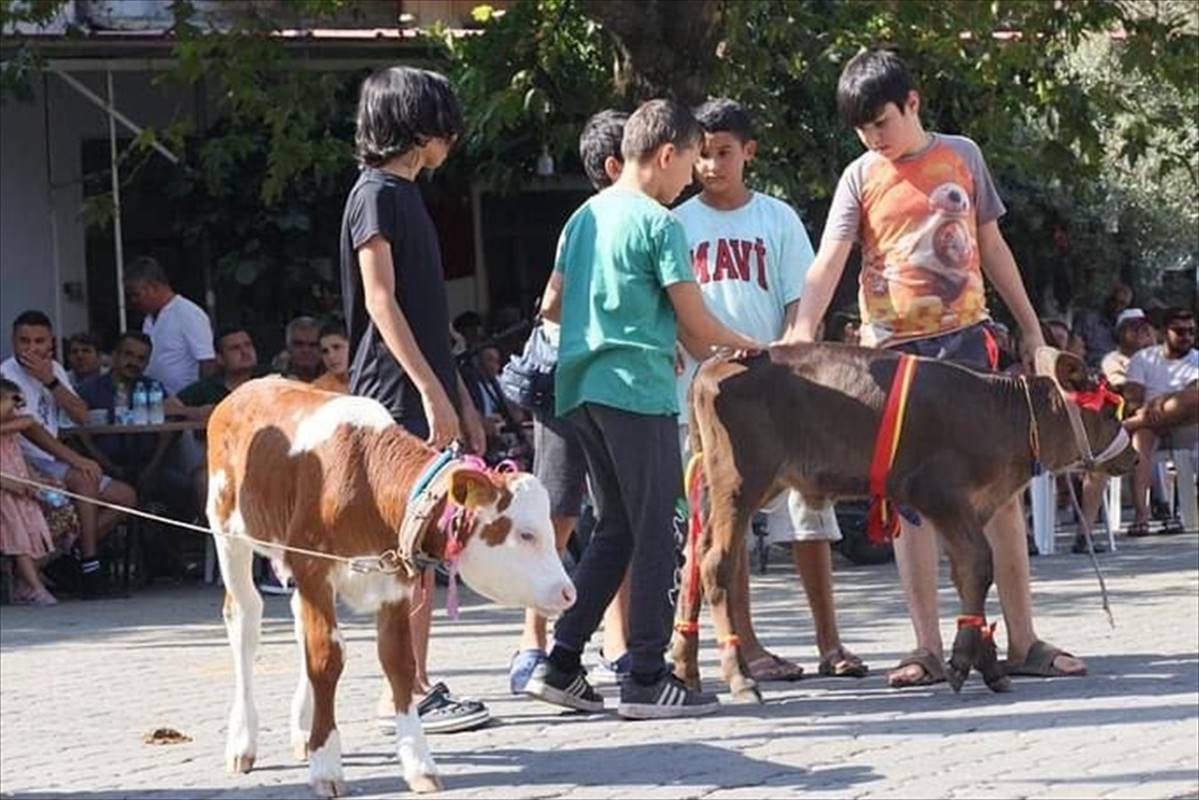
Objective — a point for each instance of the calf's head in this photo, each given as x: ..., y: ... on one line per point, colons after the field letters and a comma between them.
x: 509, y: 556
x: 1099, y: 408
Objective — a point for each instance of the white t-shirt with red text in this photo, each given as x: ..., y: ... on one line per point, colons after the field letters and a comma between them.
x: 749, y: 262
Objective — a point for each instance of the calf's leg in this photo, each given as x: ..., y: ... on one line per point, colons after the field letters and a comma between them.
x: 301, y: 701
x: 324, y: 659
x: 243, y: 619
x: 728, y: 520
x: 399, y: 665
x: 971, y: 568
x: 684, y: 649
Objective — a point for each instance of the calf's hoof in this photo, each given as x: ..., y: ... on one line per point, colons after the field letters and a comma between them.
x: 240, y: 764
x: 425, y: 784
x: 745, y: 691
x: 332, y: 787
x: 956, y: 675
x: 1001, y: 684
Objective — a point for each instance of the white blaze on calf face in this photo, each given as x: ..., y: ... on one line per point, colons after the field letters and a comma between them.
x: 321, y: 424
x: 524, y: 569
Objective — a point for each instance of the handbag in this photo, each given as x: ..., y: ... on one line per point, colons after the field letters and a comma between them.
x: 528, y: 378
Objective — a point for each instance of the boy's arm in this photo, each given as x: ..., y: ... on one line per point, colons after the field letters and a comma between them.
x: 378, y: 284
x: 1000, y: 267
x: 699, y: 330
x: 551, y: 299
x: 821, y: 283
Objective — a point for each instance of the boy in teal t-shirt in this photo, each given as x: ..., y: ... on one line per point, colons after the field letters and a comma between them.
x: 627, y: 296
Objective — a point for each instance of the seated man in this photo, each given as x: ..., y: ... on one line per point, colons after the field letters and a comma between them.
x: 335, y: 355
x: 301, y: 360
x: 46, y: 389
x: 83, y: 358
x: 1161, y: 387
x: 237, y: 362
x: 1133, y: 333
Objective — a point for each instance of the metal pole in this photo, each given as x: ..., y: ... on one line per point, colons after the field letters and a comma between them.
x: 55, y: 266
x: 116, y: 206
x: 482, y: 296
x: 111, y: 110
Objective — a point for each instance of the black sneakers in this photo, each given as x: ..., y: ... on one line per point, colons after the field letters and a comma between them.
x: 668, y: 698
x: 569, y: 689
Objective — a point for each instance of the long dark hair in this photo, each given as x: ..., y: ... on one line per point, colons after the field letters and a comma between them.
x: 400, y: 108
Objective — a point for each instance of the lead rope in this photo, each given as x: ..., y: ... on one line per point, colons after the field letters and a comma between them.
x: 387, y: 562
x: 1034, y: 443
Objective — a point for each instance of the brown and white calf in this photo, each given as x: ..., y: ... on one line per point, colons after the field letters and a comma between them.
x: 333, y: 473
x: 806, y: 417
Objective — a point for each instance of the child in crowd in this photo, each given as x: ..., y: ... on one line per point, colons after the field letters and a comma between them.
x: 925, y: 210
x: 24, y: 532
x: 627, y: 296
x: 558, y: 460
x: 396, y: 309
x: 749, y: 253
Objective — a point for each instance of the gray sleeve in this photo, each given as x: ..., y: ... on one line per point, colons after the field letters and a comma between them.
x: 987, y: 203
x: 845, y: 213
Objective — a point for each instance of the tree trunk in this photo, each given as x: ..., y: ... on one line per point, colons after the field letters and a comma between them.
x: 668, y: 47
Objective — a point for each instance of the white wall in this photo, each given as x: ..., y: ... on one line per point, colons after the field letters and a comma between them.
x: 26, y: 256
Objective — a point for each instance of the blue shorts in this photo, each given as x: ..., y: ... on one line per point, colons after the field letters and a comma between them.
x: 973, y: 347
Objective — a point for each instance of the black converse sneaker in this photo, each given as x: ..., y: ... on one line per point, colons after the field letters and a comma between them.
x: 666, y: 699
x: 562, y: 688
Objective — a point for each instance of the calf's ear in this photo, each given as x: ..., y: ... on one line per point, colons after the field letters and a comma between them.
x: 472, y: 488
x: 1071, y: 373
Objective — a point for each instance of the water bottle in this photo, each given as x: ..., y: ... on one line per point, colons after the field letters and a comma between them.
x: 141, y: 404
x: 120, y: 406
x: 157, y: 412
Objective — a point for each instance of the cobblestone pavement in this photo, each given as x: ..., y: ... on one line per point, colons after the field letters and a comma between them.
x: 82, y: 682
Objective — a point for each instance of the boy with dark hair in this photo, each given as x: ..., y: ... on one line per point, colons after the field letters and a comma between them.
x: 627, y: 296
x: 558, y: 460
x: 925, y: 210
x: 396, y: 311
x: 749, y: 253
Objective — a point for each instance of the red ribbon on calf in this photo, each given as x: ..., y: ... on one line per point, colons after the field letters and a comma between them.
x: 882, y: 523
x: 1095, y: 399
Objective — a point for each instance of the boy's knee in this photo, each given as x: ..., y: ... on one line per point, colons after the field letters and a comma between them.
x: 121, y: 494
x: 81, y: 483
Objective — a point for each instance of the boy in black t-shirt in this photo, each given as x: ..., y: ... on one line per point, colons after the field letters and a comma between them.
x: 396, y: 312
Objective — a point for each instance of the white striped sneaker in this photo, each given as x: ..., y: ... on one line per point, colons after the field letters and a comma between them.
x: 666, y: 699
x: 569, y: 689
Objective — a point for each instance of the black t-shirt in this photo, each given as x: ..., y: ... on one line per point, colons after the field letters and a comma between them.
x: 390, y: 206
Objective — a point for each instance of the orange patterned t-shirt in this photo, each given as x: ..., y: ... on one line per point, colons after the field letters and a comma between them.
x: 917, y: 220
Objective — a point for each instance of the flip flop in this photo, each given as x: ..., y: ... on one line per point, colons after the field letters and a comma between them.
x: 1039, y: 663
x: 1137, y: 529
x: 841, y: 663
x: 770, y: 667
x: 934, y: 670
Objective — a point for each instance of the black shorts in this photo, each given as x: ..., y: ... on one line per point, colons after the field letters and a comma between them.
x: 974, y: 347
x: 559, y: 463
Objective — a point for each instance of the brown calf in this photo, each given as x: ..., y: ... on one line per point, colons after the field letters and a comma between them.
x: 806, y: 417
x: 330, y: 473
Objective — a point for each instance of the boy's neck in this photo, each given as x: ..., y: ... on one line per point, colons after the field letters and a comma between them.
x: 405, y: 165
x: 731, y: 200
x: 641, y: 178
x: 921, y: 140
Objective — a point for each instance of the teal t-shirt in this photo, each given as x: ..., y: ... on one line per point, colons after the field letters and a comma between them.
x: 618, y: 253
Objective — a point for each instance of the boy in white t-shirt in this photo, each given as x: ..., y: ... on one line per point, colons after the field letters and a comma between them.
x: 749, y: 253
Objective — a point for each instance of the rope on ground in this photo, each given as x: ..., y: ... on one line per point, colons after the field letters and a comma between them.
x: 385, y: 562
x: 1085, y: 524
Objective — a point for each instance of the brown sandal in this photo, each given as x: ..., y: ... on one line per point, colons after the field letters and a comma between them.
x: 770, y: 667
x: 841, y: 663
x: 934, y: 670
x: 1039, y: 662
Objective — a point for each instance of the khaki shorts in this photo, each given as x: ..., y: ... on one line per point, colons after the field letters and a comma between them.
x: 788, y: 517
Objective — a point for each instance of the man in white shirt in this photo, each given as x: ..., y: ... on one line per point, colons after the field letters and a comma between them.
x: 178, y: 328
x: 1163, y: 382
x: 46, y: 388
